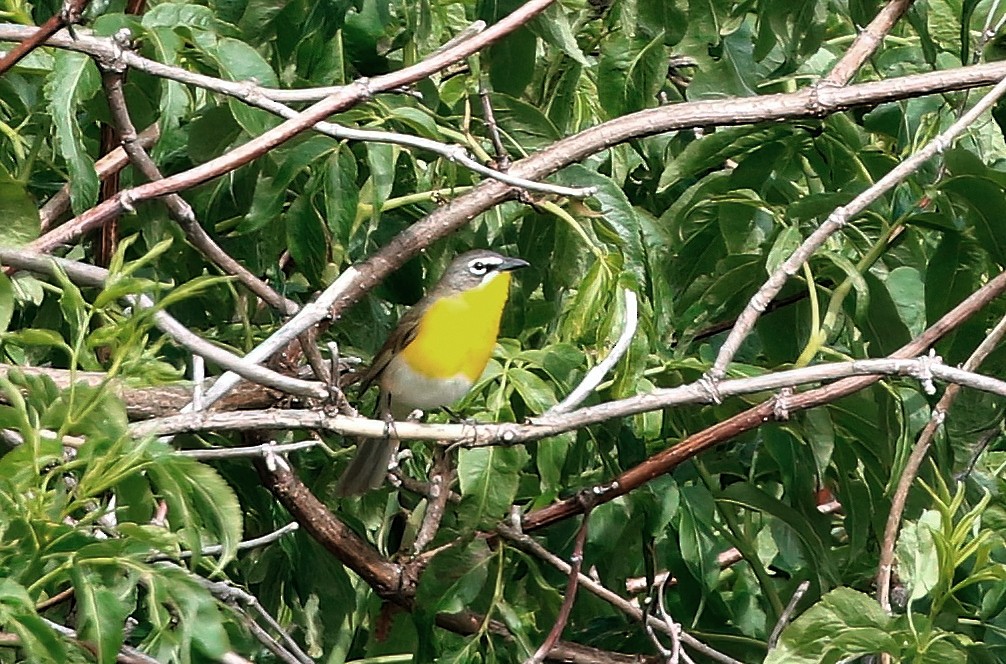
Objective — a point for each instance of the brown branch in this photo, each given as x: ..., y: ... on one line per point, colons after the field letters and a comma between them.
x: 575, y: 563
x: 392, y: 581
x: 508, y: 433
x: 866, y: 43
x: 525, y: 542
x: 911, y: 471
x: 106, y: 167
x: 69, y: 14
x: 178, y: 208
x: 108, y: 235
x: 442, y: 477
x: 150, y: 402
x: 753, y: 418
x: 340, y: 100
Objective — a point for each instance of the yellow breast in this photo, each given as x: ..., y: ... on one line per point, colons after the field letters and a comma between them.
x: 457, y: 333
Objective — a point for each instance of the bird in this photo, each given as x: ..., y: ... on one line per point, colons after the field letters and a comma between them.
x: 434, y: 355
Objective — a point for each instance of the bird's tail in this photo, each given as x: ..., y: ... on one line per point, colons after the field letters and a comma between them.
x: 369, y: 467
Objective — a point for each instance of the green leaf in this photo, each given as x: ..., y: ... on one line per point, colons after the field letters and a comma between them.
x: 918, y: 556
x: 381, y: 158
x: 986, y: 202
x: 454, y: 578
x: 199, y: 500
x: 271, y: 193
x: 553, y: 26
x: 240, y: 62
x: 306, y: 238
x: 630, y: 74
x: 733, y: 74
x: 17, y: 614
x: 755, y: 498
x: 511, y: 60
x: 102, y: 614
x: 698, y: 546
x: 786, y: 242
x: 881, y: 324
x: 211, y: 133
x: 536, y: 393
x: 20, y: 214
x: 949, y: 277
x: 74, y: 78
x: 618, y: 225
x: 843, y: 625
x: 342, y: 195
x: 488, y: 477
x: 658, y: 17
x: 6, y: 302
x: 907, y: 291
x: 712, y: 151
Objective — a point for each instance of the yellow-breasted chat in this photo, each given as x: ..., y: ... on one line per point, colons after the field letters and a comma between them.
x: 435, y: 354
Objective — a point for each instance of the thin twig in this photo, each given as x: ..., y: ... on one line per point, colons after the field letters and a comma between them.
x: 529, y: 544
x: 866, y: 43
x: 787, y: 614
x: 439, y: 492
x: 502, y: 157
x: 249, y: 452
x: 573, y: 576
x: 69, y: 14
x: 178, y: 208
x: 254, y: 543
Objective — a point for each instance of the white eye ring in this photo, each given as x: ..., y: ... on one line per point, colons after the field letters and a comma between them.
x: 478, y: 268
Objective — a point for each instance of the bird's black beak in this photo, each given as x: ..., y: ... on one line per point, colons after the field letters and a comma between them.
x: 510, y: 264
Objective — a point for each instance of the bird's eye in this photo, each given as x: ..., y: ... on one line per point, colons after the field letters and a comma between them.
x: 478, y: 268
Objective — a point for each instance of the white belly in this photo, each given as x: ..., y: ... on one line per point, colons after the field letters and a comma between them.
x: 411, y: 390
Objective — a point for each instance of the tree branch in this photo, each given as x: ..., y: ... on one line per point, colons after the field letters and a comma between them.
x: 866, y: 43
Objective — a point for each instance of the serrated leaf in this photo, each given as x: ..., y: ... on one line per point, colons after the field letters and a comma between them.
x: 74, y: 78
x: 102, y: 615
x: 199, y: 500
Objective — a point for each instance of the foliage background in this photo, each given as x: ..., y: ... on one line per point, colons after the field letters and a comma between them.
x: 693, y: 222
